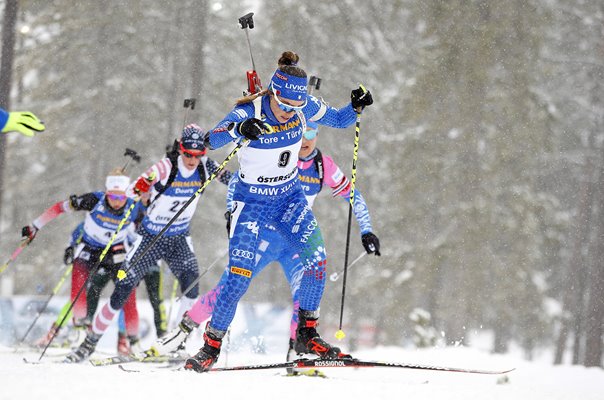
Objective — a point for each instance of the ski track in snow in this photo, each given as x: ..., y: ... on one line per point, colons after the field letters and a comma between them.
x: 530, y: 380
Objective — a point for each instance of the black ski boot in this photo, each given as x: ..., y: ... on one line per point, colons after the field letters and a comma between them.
x: 84, y: 350
x: 293, y: 371
x: 208, y: 354
x: 308, y: 340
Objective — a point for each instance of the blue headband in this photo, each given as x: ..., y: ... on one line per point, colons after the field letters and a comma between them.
x: 288, y: 86
x: 311, y: 124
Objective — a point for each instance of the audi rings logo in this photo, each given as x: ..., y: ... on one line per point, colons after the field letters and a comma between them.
x: 242, y: 254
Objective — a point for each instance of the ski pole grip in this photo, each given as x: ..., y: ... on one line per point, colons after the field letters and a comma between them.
x: 314, y: 82
x: 247, y: 21
x: 189, y: 103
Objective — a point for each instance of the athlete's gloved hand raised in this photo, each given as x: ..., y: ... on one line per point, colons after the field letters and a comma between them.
x: 251, y: 128
x: 23, y: 122
x: 142, y: 185
x: 28, y: 232
x: 371, y: 243
x: 361, y: 98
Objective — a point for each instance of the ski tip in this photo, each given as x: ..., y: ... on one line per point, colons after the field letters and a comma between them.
x: 507, y: 371
x: 26, y: 361
x: 120, y: 366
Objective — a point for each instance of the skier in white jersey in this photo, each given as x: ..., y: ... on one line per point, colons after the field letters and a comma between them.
x: 105, y: 211
x: 170, y: 183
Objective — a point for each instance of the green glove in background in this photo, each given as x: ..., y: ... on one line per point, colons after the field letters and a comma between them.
x: 23, y: 122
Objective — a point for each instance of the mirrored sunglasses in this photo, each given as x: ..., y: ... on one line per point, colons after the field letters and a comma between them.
x: 310, y: 134
x: 116, y: 197
x: 287, y: 107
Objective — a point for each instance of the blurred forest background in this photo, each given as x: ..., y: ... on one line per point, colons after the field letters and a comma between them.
x: 481, y: 159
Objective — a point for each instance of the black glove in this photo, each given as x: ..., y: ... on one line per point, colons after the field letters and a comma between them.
x: 251, y: 128
x: 371, y: 243
x: 29, y: 232
x: 361, y: 98
x: 227, y: 215
x: 68, y: 255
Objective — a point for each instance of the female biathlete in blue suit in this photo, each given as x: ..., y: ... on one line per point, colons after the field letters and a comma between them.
x: 269, y: 194
x: 315, y: 170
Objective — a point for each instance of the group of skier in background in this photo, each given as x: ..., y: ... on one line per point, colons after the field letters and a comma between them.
x: 269, y: 218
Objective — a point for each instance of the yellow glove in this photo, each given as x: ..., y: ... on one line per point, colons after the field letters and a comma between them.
x: 23, y: 122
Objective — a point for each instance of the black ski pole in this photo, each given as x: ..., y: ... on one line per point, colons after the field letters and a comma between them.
x: 188, y: 104
x: 253, y: 81
x: 355, y: 154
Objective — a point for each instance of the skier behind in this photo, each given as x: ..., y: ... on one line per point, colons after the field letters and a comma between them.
x: 314, y: 171
x: 125, y: 345
x: 269, y: 194
x: 24, y: 122
x: 176, y: 178
x: 105, y: 211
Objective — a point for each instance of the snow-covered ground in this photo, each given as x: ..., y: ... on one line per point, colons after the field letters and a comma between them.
x: 534, y: 381
x: 530, y: 380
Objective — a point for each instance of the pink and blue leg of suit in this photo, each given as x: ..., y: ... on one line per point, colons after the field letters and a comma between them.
x: 289, y: 213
